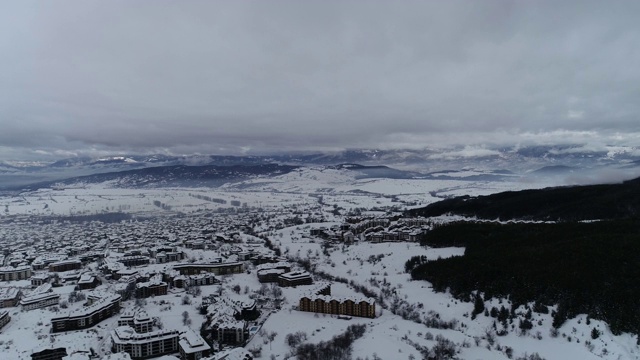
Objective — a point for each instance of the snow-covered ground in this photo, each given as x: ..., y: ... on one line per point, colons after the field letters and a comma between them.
x: 298, y: 188
x: 329, y: 194
x: 389, y: 336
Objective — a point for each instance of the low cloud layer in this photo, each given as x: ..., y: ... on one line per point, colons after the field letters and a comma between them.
x: 93, y: 77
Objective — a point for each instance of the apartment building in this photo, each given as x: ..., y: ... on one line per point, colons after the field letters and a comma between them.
x: 215, y: 268
x: 144, y: 345
x: 9, y: 297
x: 9, y: 273
x: 137, y: 319
x: 154, y: 287
x: 4, y: 318
x: 192, y: 346
x: 295, y: 278
x: 39, y: 301
x: 65, y: 265
x: 269, y: 273
x: 362, y: 307
x: 88, y: 316
x: 134, y: 260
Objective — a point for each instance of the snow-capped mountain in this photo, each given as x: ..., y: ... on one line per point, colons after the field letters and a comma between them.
x: 489, y: 163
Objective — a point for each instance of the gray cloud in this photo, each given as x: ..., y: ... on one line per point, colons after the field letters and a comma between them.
x: 237, y: 76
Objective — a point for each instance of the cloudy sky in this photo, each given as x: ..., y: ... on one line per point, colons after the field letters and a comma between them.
x: 232, y: 77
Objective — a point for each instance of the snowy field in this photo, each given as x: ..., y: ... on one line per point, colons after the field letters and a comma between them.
x: 298, y: 188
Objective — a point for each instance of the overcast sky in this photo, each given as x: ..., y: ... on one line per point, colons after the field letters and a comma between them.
x: 232, y: 77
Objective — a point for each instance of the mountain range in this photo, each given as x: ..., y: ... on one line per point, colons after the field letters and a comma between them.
x: 485, y: 163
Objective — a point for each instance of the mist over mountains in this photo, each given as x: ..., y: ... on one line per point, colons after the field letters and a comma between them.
x: 568, y: 164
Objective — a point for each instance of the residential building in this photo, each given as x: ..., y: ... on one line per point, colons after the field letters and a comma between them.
x: 88, y: 281
x: 9, y: 297
x: 65, y: 265
x: 226, y: 320
x: 9, y: 273
x: 295, y: 278
x: 124, y: 272
x: 231, y: 332
x: 144, y: 345
x: 39, y: 279
x: 106, y: 306
x: 232, y: 354
x: 40, y: 300
x: 181, y: 281
x: 4, y: 318
x: 362, y: 307
x: 215, y: 268
x: 134, y: 260
x: 154, y: 287
x: 137, y: 319
x: 192, y: 346
x: 50, y: 354
x: 269, y: 273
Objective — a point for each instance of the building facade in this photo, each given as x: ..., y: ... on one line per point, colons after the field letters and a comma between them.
x: 363, y: 307
x: 9, y: 273
x: 151, y: 288
x: 144, y: 345
x: 88, y: 316
x: 39, y: 279
x: 65, y: 265
x: 139, y: 320
x: 4, y: 318
x: 192, y: 346
x: 215, y: 268
x: 9, y: 297
x: 50, y: 354
x: 295, y: 278
x: 134, y: 260
x: 39, y: 301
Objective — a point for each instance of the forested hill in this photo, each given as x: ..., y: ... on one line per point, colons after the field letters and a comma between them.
x: 575, y: 203
x: 585, y: 268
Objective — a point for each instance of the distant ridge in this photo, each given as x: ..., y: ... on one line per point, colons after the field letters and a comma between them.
x: 554, y: 170
x: 202, y: 175
x: 169, y: 176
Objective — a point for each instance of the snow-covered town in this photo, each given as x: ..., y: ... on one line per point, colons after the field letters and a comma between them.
x: 319, y: 180
x: 184, y: 274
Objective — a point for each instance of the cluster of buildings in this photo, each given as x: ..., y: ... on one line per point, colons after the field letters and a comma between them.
x: 142, y: 345
x: 227, y: 320
x: 137, y: 336
x: 280, y: 273
x: 270, y: 272
x: 123, y: 250
x: 375, y: 230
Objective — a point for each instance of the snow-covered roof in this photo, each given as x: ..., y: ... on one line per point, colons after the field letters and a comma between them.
x: 8, y: 293
x: 37, y: 298
x: 190, y: 342
x: 295, y: 275
x: 233, y: 354
x: 126, y: 334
